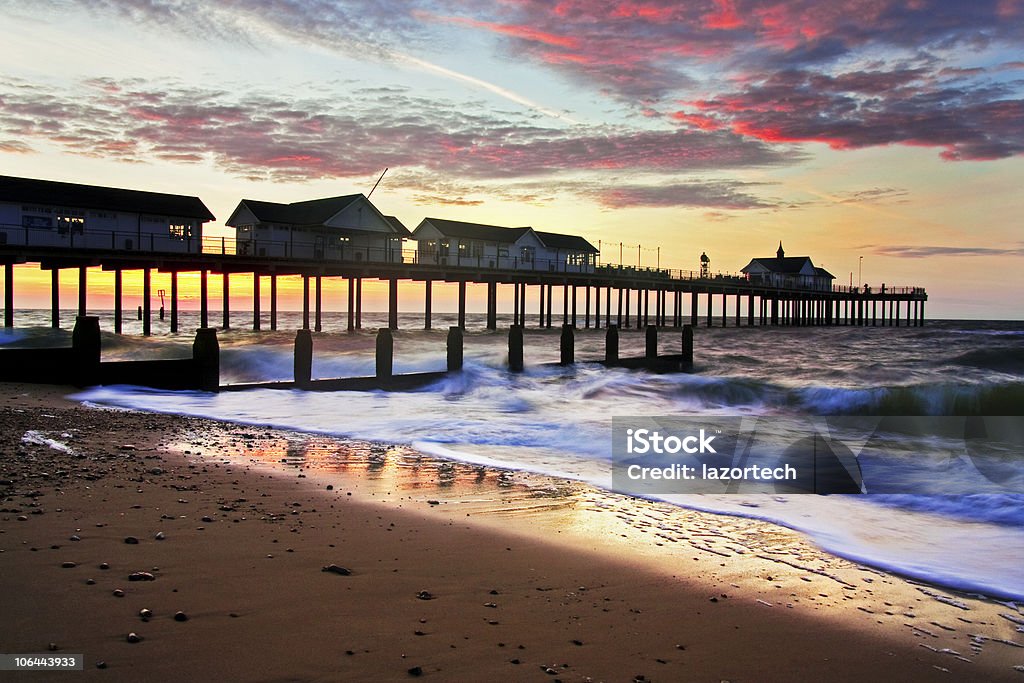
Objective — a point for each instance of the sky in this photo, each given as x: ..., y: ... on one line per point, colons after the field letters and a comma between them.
x: 883, y: 139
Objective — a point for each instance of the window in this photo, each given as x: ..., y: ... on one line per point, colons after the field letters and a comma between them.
x: 342, y: 240
x: 575, y: 259
x: 503, y: 251
x: 70, y: 224
x: 478, y: 249
x: 180, y: 231
x: 244, y: 230
x: 527, y: 254
x: 428, y: 246
x: 36, y: 222
x: 463, y: 249
x: 445, y: 246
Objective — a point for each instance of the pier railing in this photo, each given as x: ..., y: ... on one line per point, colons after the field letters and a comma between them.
x: 86, y: 240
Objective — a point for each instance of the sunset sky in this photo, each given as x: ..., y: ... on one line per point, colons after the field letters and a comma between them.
x: 875, y: 128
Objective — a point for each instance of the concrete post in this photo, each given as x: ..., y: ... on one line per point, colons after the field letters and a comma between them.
x: 206, y: 356
x: 455, y: 342
x: 611, y: 344
x: 651, y: 351
x: 85, y: 342
x: 687, y: 344
x: 515, y: 348
x: 385, y: 353
x: 566, y: 346
x: 303, y: 358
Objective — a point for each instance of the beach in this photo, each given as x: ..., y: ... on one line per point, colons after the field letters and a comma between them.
x: 442, y: 570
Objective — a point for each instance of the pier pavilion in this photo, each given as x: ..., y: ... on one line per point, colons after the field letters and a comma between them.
x: 592, y: 294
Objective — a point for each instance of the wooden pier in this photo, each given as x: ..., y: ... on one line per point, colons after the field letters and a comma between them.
x: 609, y: 295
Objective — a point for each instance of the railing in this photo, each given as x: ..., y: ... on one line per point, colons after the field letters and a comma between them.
x: 149, y: 242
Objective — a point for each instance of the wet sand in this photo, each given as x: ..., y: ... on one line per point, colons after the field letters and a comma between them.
x: 456, y: 572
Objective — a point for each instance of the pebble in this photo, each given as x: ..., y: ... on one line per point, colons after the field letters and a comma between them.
x: 76, y: 537
x: 146, y: 613
x: 425, y: 595
x: 180, y: 616
x: 90, y: 582
x: 133, y: 637
x: 159, y: 536
x: 141, y: 576
x: 207, y: 519
x: 330, y: 487
x: 131, y: 540
x: 416, y: 671
x: 69, y: 565
x: 101, y: 664
x: 335, y: 569
x: 118, y: 593
x: 104, y: 565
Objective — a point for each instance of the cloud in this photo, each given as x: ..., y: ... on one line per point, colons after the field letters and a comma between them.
x: 927, y: 251
x: 15, y: 147
x: 269, y: 136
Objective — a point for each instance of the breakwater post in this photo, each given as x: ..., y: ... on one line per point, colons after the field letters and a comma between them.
x: 303, y: 358
x: 567, y: 345
x: 206, y: 357
x: 385, y: 353
x: 85, y: 344
x: 651, y: 350
x: 515, y: 348
x: 611, y: 344
x: 455, y: 342
x: 687, y: 345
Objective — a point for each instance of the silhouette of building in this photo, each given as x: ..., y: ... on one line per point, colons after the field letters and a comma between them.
x: 456, y: 243
x: 346, y: 228
x: 48, y: 213
x: 788, y: 271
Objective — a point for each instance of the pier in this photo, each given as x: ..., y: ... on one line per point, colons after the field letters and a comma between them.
x: 626, y: 297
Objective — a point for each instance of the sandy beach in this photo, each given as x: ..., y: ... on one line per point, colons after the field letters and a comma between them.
x: 448, y: 572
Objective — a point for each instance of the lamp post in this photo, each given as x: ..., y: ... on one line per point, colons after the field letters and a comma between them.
x: 860, y: 271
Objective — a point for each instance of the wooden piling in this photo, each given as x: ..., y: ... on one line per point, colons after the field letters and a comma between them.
x: 8, y: 294
x: 273, y: 302
x: 206, y: 355
x: 462, y: 312
x: 651, y: 346
x: 83, y: 290
x: 318, y: 304
x: 385, y: 353
x: 566, y: 346
x: 303, y: 367
x: 611, y: 344
x: 428, y: 286
x: 147, y: 306
x: 393, y: 303
x: 687, y: 344
x: 119, y: 294
x: 55, y: 298
x: 305, y: 302
x: 454, y: 348
x: 174, y: 301
x: 226, y: 299
x: 204, y: 299
x: 256, y: 322
x: 351, y: 304
x: 359, y: 303
x: 515, y: 348
x: 85, y: 342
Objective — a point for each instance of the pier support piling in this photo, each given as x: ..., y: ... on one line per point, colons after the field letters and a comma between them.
x: 351, y: 304
x: 359, y: 303
x: 428, y: 286
x: 119, y: 294
x: 273, y: 302
x: 83, y: 290
x: 256, y: 322
x: 147, y: 306
x: 174, y: 302
x: 305, y: 302
x: 227, y: 300
x: 318, y: 304
x: 462, y: 311
x: 8, y: 295
x: 392, y: 304
x: 55, y: 298
x: 204, y: 299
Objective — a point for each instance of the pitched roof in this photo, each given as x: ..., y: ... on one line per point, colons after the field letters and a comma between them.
x: 399, y: 226
x: 821, y: 272
x: 477, y: 231
x: 554, y: 240
x: 786, y: 264
x: 73, y: 195
x: 311, y: 212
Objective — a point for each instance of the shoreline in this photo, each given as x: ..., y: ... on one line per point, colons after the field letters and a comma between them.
x: 628, y: 580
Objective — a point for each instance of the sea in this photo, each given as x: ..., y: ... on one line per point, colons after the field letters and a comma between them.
x: 961, y: 526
